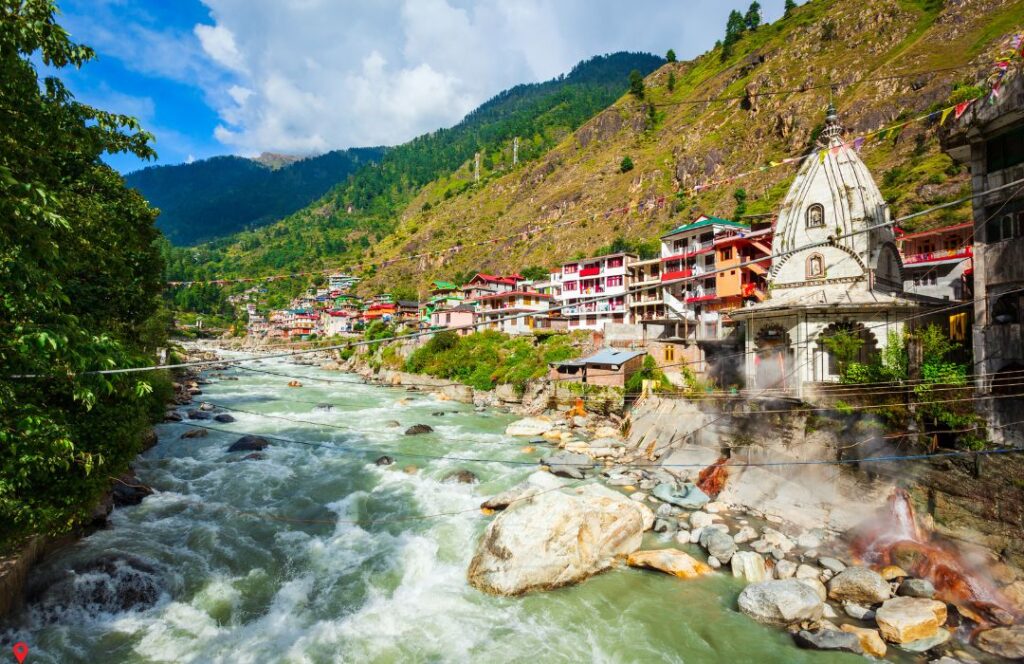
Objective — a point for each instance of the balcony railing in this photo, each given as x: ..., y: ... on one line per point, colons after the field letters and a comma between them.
x: 941, y: 255
x: 590, y: 271
x: 678, y: 274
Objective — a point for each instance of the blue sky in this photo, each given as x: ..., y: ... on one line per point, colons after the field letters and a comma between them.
x: 305, y: 76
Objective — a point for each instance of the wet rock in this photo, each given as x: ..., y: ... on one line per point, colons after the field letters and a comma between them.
x: 439, y: 413
x: 701, y: 519
x: 224, y: 418
x: 384, y: 460
x: 666, y: 524
x: 392, y: 424
x: 785, y: 569
x: 916, y: 588
x: 714, y: 563
x: 780, y: 602
x: 460, y: 477
x: 892, y: 572
x: 718, y: 544
x: 534, y: 484
x: 859, y: 584
x: 113, y: 583
x: 748, y: 565
x: 196, y: 414
x: 323, y: 406
x: 195, y: 433
x: 555, y: 539
x: 129, y: 490
x: 831, y: 564
x: 568, y: 464
x: 906, y: 619
x: 828, y: 639
x: 172, y: 416
x: 249, y: 444
x: 529, y: 426
x: 870, y: 641
x: 858, y: 611
x: 670, y: 561
x: 418, y: 429
x: 208, y: 407
x: 194, y: 391
x: 776, y: 540
x: 255, y: 456
x: 688, y: 496
x: 1005, y: 642
x: 745, y: 534
x: 924, y: 645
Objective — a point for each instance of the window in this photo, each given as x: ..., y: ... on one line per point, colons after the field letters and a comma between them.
x: 1005, y: 150
x: 670, y: 353
x: 1010, y: 225
x: 815, y: 266
x: 1006, y: 310
x: 615, y: 262
x: 570, y: 285
x: 570, y: 269
x: 613, y: 281
x: 727, y: 254
x: 815, y: 216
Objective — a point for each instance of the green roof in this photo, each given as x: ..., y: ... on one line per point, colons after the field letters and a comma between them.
x: 447, y: 285
x: 708, y: 221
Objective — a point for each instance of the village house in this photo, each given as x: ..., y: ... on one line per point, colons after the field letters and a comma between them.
x: 342, y: 282
x: 407, y: 311
x: 334, y: 322
x: 937, y: 262
x: 644, y: 282
x: 459, y: 317
x: 608, y: 367
x: 989, y: 138
x: 585, y: 279
x: 443, y: 295
x: 487, y: 284
x: 493, y: 311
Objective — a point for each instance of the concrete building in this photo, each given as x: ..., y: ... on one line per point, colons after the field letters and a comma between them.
x: 851, y: 279
x: 493, y: 310
x: 459, y: 317
x: 585, y: 279
x: 608, y: 367
x: 937, y: 262
x: 989, y: 138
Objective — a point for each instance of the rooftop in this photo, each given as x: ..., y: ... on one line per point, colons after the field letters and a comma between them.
x: 703, y: 221
x: 605, y: 356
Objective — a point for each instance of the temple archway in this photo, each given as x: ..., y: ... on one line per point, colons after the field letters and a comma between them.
x: 773, y: 358
x: 866, y: 353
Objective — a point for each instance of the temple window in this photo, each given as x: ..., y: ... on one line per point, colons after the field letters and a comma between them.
x: 815, y: 216
x: 815, y: 266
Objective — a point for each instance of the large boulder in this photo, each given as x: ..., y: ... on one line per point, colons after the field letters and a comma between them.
x: 556, y: 539
x: 418, y: 429
x: 1005, y: 642
x: 688, y: 496
x: 781, y: 602
x: 859, y: 584
x: 539, y: 482
x: 530, y: 426
x: 670, y: 561
x: 906, y: 619
x: 460, y: 477
x: 749, y: 565
x: 196, y: 414
x: 828, y: 639
x: 718, y: 544
x: 249, y: 444
x: 568, y: 464
x: 916, y: 588
x: 870, y: 641
x: 128, y: 490
x: 224, y: 418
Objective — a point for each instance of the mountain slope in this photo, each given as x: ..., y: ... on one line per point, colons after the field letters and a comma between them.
x: 223, y: 195
x: 365, y: 208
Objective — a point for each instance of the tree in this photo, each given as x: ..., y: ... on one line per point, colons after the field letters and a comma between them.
x: 535, y: 273
x: 671, y: 81
x: 790, y: 6
x: 626, y: 165
x: 844, y: 344
x: 752, y: 19
x: 636, y: 84
x: 670, y: 56
x: 734, y: 28
x: 740, y: 196
x: 80, y: 272
x: 652, y: 115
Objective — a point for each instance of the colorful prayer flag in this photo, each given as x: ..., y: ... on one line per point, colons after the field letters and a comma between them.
x: 858, y: 143
x: 961, y: 107
x: 821, y: 156
x: 945, y: 114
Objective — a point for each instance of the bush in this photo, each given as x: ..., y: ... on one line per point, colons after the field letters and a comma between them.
x: 626, y: 165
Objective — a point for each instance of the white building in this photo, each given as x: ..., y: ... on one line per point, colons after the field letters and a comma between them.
x: 492, y: 308
x: 851, y: 279
x: 585, y: 279
x: 341, y: 281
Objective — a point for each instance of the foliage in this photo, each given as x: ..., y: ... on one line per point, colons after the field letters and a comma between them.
x: 844, y: 344
x: 734, y: 28
x: 671, y: 83
x: 80, y: 276
x: 893, y: 367
x: 642, y: 248
x: 670, y: 56
x: 648, y: 371
x: 535, y: 273
x: 626, y: 165
x: 486, y: 359
x: 636, y: 84
x: 740, y: 196
x: 789, y: 7
x: 828, y: 30
x: 752, y: 19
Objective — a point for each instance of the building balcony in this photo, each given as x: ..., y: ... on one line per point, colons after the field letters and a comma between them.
x: 941, y: 255
x: 677, y: 274
x: 590, y: 271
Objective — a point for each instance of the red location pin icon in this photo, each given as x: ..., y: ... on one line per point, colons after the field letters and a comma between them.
x: 20, y: 651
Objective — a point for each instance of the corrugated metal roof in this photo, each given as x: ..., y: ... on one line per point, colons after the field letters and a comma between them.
x: 616, y: 356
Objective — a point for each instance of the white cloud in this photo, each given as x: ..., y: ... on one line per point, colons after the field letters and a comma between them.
x: 218, y: 43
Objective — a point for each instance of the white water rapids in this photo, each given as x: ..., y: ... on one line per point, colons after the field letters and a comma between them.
x: 257, y: 561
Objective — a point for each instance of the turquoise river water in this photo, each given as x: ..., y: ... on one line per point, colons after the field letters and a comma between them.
x: 316, y: 554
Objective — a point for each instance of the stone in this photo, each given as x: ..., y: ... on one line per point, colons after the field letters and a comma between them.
x: 606, y: 432
x: 1015, y: 593
x: 924, y: 645
x: 808, y: 541
x: 701, y: 519
x: 249, y: 444
x: 906, y: 619
x: 714, y: 563
x: 460, y: 477
x: 128, y: 490
x: 638, y: 496
x: 859, y: 584
x: 195, y: 433
x: 870, y: 641
x: 688, y: 496
x: 555, y: 539
x: 580, y: 421
x: 1005, y: 642
x: 858, y: 611
x: 418, y: 429
x: 832, y: 564
x: 537, y: 482
x: 695, y: 535
x: 568, y: 464
x: 761, y: 546
x: 828, y: 639
x: 666, y: 524
x: 745, y: 534
x: 254, y: 456
x: 196, y: 414
x: 670, y: 561
x: 777, y: 540
x: 224, y: 418
x: 828, y: 612
x: 892, y: 572
x: 384, y: 460
x: 323, y: 406
x: 208, y: 407
x: 392, y: 424
x: 172, y: 416
x: 817, y: 586
x: 785, y: 569
x: 715, y: 507
x: 806, y: 572
x: 748, y: 565
x: 780, y: 602
x: 916, y: 588
x: 529, y: 426
x: 718, y: 544
x: 1002, y: 573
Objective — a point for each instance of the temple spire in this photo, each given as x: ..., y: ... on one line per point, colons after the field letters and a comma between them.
x: 833, y: 130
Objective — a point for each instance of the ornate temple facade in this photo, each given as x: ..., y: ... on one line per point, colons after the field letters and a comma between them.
x: 835, y: 266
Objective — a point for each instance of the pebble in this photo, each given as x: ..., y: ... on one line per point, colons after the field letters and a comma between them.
x: 858, y: 611
x: 683, y: 536
x: 638, y: 496
x: 812, y: 553
x: 695, y: 535
x: 745, y: 534
x: 806, y: 572
x: 715, y: 507
x: 785, y: 569
x: 701, y: 519
x: 833, y: 565
x: 713, y: 562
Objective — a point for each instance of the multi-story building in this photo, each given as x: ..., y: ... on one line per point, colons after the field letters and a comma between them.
x: 443, y: 295
x: 742, y: 260
x: 459, y: 318
x: 583, y: 280
x: 938, y: 262
x: 341, y: 282
x: 487, y: 284
x: 493, y: 310
x: 644, y: 282
x: 989, y: 137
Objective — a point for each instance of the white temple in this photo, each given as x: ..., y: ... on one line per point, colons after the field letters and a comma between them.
x: 849, y: 277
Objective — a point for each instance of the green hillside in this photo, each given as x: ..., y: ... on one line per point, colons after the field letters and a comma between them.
x: 216, y: 197
x: 365, y: 208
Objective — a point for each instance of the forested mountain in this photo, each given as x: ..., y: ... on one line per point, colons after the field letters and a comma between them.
x: 365, y: 208
x: 214, y: 197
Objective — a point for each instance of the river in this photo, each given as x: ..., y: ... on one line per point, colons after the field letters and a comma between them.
x: 316, y: 554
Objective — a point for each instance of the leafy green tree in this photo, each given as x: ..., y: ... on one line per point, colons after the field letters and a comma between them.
x: 626, y: 165
x: 734, y: 28
x: 535, y: 273
x: 752, y: 19
x: 894, y: 358
x: 652, y: 115
x: 636, y: 84
x: 790, y: 6
x: 671, y: 55
x: 671, y: 85
x: 844, y: 345
x: 80, y: 273
x: 740, y: 196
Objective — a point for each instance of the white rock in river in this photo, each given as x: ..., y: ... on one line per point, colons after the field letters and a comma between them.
x: 556, y: 539
x: 780, y: 602
x: 536, y: 483
x: 529, y: 426
x: 806, y: 572
x: 749, y: 565
x: 745, y: 534
x: 700, y: 519
x: 859, y: 584
x: 784, y: 569
x: 906, y: 619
